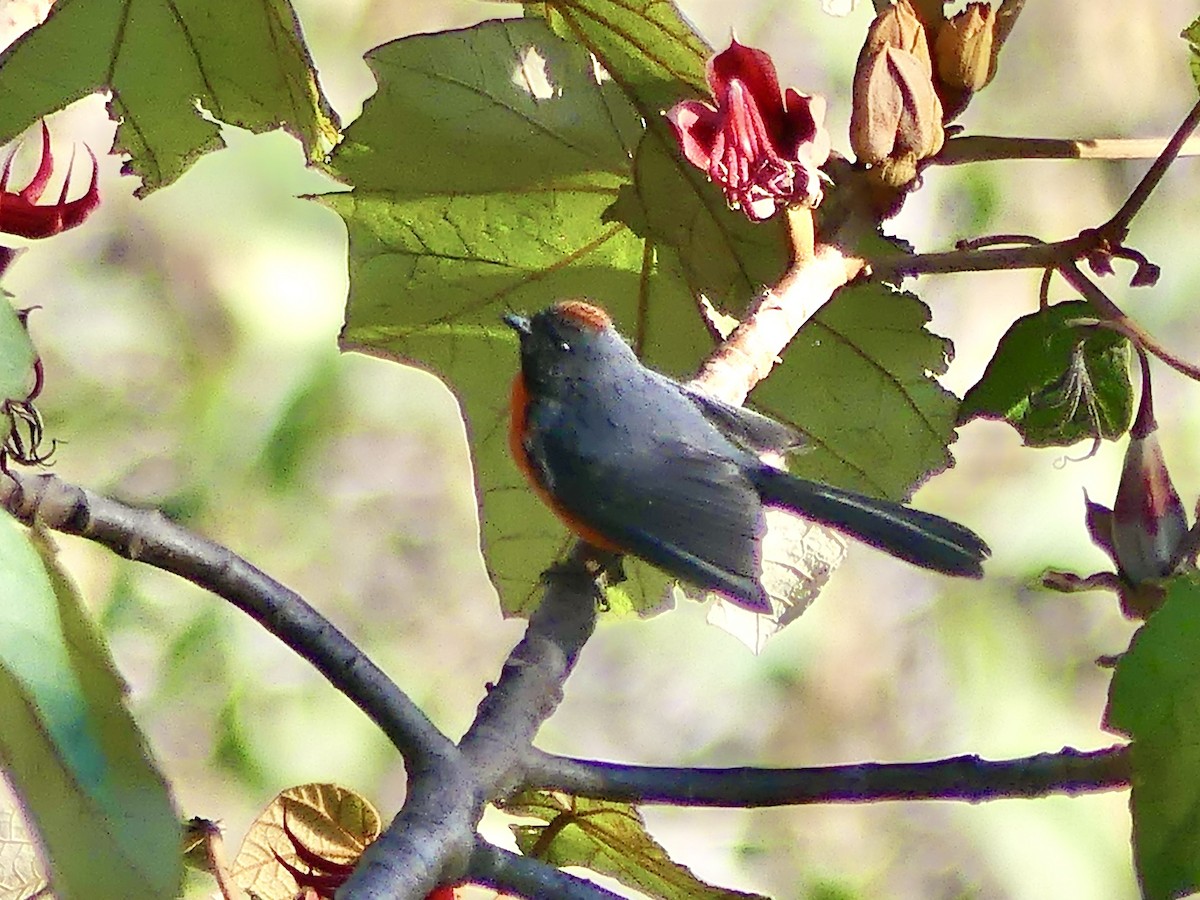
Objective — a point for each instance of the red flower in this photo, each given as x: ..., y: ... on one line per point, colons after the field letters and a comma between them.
x: 21, y: 215
x: 763, y: 148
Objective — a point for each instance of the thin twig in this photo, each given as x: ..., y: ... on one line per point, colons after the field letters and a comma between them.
x: 1116, y: 319
x: 1038, y: 256
x: 1117, y: 227
x: 510, y: 873
x: 987, y: 148
x: 959, y: 778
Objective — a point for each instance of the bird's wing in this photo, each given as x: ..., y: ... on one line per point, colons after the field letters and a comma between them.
x: 690, y: 511
x: 748, y: 429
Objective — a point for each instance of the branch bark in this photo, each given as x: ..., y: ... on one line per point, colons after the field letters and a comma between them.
x: 958, y: 778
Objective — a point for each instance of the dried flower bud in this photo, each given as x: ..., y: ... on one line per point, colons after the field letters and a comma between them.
x: 897, y: 117
x: 896, y: 111
x: 963, y: 49
x: 897, y: 26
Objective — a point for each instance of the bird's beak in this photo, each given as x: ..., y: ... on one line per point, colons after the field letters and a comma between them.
x: 519, y: 324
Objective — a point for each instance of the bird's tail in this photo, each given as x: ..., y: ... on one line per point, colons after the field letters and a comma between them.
x: 921, y: 538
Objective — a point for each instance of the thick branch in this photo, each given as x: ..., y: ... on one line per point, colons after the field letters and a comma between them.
x: 959, y: 778
x: 530, y: 686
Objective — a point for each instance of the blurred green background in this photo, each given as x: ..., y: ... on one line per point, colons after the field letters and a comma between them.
x: 189, y: 346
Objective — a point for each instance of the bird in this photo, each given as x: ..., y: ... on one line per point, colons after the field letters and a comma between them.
x: 634, y: 462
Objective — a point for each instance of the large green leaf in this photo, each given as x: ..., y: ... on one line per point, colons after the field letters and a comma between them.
x: 441, y: 243
x: 72, y: 750
x: 609, y: 838
x: 856, y: 382
x: 1056, y: 382
x: 497, y: 168
x: 245, y: 63
x: 1155, y: 700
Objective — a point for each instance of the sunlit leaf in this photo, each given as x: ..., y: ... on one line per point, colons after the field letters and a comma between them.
x: 308, y: 835
x: 1155, y: 700
x: 856, y: 382
x: 1056, y: 382
x: 101, y: 810
x: 523, y: 174
x: 609, y: 838
x: 245, y: 63
x: 1191, y: 34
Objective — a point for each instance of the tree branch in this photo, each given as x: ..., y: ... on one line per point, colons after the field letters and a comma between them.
x: 1031, y: 256
x: 434, y: 832
x: 958, y: 778
x: 1117, y: 227
x: 511, y: 873
x: 986, y: 148
x: 147, y: 536
x: 529, y: 689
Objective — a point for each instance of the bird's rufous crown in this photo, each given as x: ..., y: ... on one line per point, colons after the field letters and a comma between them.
x: 583, y: 313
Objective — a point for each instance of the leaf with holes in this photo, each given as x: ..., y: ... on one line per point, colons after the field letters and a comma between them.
x: 525, y: 173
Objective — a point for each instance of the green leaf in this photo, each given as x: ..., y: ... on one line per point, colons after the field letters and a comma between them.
x: 517, y: 176
x: 609, y: 838
x: 1191, y: 34
x: 17, y: 355
x: 1054, y: 382
x: 645, y: 45
x: 441, y: 243
x: 1155, y: 700
x: 245, y: 63
x: 69, y: 745
x: 857, y: 383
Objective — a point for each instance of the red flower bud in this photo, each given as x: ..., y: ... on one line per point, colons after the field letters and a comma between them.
x: 1146, y: 531
x: 20, y: 213
x: 763, y: 148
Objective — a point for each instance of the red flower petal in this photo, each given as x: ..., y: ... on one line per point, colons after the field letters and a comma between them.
x: 761, y: 147
x: 20, y: 213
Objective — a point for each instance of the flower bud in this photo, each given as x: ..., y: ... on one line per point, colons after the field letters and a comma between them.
x: 896, y: 112
x: 1146, y: 531
x: 897, y: 117
x: 963, y: 49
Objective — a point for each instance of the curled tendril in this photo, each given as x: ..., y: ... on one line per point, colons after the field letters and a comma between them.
x: 25, y: 441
